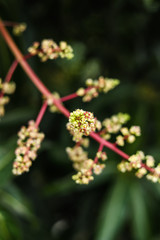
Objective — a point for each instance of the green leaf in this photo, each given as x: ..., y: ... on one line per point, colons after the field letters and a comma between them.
x: 140, y: 220
x: 6, y: 158
x: 9, y: 228
x: 112, y: 213
x: 13, y: 200
x: 4, y: 233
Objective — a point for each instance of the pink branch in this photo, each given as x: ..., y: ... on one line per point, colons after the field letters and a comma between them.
x: 99, y: 150
x: 71, y: 96
x: 31, y: 74
x: 20, y: 58
x: 11, y: 71
x: 109, y: 145
x: 41, y: 113
x: 13, y: 68
x: 9, y: 74
x: 113, y: 147
x: 147, y: 168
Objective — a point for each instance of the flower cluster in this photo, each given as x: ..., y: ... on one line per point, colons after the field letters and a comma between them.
x: 113, y: 124
x: 141, y: 163
x: 83, y: 178
x: 19, y: 28
x: 128, y: 134
x: 97, y: 166
x: 28, y: 143
x: 154, y: 176
x: 85, y: 166
x: 81, y: 163
x: 48, y: 49
x: 5, y: 88
x: 78, y: 156
x: 96, y: 86
x: 81, y: 123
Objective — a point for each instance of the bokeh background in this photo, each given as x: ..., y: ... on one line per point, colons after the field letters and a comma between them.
x: 118, y: 39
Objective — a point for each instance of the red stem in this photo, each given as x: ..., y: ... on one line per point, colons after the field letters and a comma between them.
x: 31, y: 74
x: 13, y: 68
x: 147, y: 168
x: 20, y: 58
x: 41, y: 113
x: 73, y: 95
x: 9, y: 74
x: 11, y: 71
x: 99, y: 150
x: 96, y: 158
x: 109, y: 145
x: 68, y: 97
x: 117, y: 150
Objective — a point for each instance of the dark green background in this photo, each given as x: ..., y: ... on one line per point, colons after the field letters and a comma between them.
x: 118, y: 39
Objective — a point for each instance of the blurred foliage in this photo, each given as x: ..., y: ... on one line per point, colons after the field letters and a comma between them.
x: 118, y: 39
